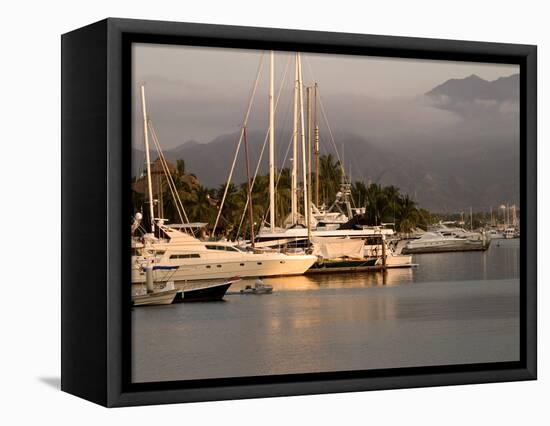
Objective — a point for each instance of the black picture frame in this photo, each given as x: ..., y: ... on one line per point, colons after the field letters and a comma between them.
x: 96, y: 137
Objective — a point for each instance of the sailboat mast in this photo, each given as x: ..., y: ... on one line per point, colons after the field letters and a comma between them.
x: 250, y: 210
x: 271, y: 145
x: 147, y: 159
x: 308, y: 92
x: 304, y: 177
x: 316, y: 145
x: 294, y: 173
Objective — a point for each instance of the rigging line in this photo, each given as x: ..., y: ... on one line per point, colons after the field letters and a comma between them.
x: 166, y: 170
x: 283, y: 82
x: 170, y: 180
x: 171, y: 184
x: 323, y: 112
x: 280, y: 174
x: 245, y: 121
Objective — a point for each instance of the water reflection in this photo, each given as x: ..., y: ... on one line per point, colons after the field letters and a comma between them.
x: 499, y: 262
x: 453, y: 308
x: 342, y: 280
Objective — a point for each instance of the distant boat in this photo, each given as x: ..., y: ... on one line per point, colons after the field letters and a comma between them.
x: 495, y: 235
x: 436, y: 242
x: 510, y: 233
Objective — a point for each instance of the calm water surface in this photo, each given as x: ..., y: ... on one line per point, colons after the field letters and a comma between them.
x: 452, y: 308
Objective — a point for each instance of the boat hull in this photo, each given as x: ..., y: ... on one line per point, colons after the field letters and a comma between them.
x: 399, y: 261
x: 195, y: 270
x: 466, y: 246
x: 348, y: 265
x: 163, y: 297
x: 210, y: 293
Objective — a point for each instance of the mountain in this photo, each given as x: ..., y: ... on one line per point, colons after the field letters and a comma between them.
x: 474, y: 88
x: 471, y: 160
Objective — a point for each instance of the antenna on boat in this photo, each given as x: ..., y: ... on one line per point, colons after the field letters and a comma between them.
x: 147, y: 159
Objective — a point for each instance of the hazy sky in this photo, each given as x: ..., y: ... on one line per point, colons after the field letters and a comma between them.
x: 198, y: 93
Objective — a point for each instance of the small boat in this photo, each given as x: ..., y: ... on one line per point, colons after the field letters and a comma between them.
x: 163, y: 292
x: 259, y: 288
x: 161, y: 297
x: 164, y: 295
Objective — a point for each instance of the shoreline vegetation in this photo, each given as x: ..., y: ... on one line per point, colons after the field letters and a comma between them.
x: 382, y: 204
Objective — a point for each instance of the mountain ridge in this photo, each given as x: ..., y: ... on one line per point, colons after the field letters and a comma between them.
x: 469, y: 166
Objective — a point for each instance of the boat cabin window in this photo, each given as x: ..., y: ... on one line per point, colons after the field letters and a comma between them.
x: 221, y: 248
x: 185, y: 256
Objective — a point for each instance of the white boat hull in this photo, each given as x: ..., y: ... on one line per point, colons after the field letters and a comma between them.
x: 399, y: 261
x: 163, y: 297
x: 208, y: 269
x: 446, y: 246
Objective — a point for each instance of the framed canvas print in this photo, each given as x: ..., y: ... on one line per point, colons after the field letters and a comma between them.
x: 252, y: 212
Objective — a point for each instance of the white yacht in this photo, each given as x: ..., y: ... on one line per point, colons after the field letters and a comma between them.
x: 198, y: 260
x: 192, y: 258
x: 510, y: 233
x: 298, y: 236
x: 495, y: 234
x: 434, y: 242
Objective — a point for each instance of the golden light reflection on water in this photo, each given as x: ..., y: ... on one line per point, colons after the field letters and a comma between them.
x: 313, y: 323
x: 342, y: 280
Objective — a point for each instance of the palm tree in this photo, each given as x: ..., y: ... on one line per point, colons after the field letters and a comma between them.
x: 180, y: 166
x: 408, y: 214
x: 330, y: 177
x: 199, y: 207
x: 392, y: 195
x: 377, y: 203
x: 359, y: 193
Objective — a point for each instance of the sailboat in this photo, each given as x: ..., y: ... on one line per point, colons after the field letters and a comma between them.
x: 198, y: 260
x: 165, y: 295
x: 318, y: 223
x: 160, y: 288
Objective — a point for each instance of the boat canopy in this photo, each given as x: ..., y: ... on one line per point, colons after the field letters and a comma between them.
x: 334, y: 248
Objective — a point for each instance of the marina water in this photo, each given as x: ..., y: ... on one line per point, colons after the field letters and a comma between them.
x: 454, y: 308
